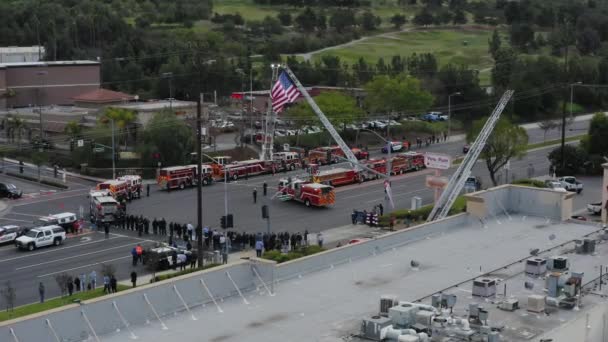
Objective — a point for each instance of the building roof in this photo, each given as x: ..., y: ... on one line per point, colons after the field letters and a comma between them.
x: 158, y: 105
x: 21, y: 49
x: 103, y: 96
x: 47, y: 64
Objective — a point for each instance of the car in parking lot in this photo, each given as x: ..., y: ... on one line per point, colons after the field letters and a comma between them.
x: 40, y: 237
x: 432, y: 117
x: 10, y: 191
x: 595, y: 208
x: 555, y: 185
x: 466, y: 148
x: 9, y: 233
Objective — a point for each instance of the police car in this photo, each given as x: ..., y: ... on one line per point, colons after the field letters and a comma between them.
x: 9, y: 233
x: 40, y: 237
x: 68, y: 221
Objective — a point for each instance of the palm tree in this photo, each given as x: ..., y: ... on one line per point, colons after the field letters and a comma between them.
x: 122, y: 118
x: 16, y: 124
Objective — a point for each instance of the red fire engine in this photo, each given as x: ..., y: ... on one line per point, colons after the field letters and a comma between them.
x: 183, y: 176
x: 135, y: 185
x: 408, y: 161
x: 336, y: 177
x: 378, y: 165
x: 359, y: 153
x: 311, y: 194
x: 325, y: 155
x: 118, y: 188
x: 245, y: 168
x: 288, y: 160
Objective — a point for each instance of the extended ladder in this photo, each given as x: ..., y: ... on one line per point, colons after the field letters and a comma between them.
x: 330, y: 128
x: 458, y: 179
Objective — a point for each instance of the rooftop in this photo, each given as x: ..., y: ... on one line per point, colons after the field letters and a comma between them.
x: 49, y: 64
x: 157, y: 105
x: 103, y: 96
x: 329, y: 305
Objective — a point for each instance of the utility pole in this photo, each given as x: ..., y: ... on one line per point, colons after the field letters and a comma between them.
x: 199, y: 171
x: 113, y: 152
x: 169, y: 75
x: 563, y: 151
x: 40, y: 73
x: 450, y: 111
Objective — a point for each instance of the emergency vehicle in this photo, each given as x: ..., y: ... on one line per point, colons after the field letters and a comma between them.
x: 378, y: 165
x: 118, y: 188
x: 103, y: 208
x: 311, y: 194
x: 67, y: 221
x: 289, y: 160
x: 408, y: 161
x: 359, y: 153
x: 135, y: 185
x: 336, y: 177
x: 325, y: 155
x: 183, y: 176
x: 246, y: 168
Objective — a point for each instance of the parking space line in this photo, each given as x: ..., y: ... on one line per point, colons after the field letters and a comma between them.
x: 75, y: 256
x: 85, y: 266
x: 54, y: 250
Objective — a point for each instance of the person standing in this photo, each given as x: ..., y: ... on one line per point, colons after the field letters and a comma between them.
x: 265, y: 188
x: 320, y: 239
x: 134, y: 255
x: 134, y: 278
x: 113, y: 284
x: 259, y: 246
x: 77, y: 283
x: 255, y: 195
x: 106, y: 284
x: 306, y: 237
x: 140, y: 251
x: 41, y: 292
x: 147, y: 190
x: 190, y: 229
x: 93, y: 278
x: 70, y: 287
x: 83, y: 282
x: 381, y: 209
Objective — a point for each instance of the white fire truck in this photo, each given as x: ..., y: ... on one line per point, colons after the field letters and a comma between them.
x: 103, y: 208
x: 135, y: 185
x: 288, y: 160
x: 119, y: 189
x: 311, y: 194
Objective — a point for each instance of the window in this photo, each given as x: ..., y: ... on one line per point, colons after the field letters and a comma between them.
x: 40, y: 235
x: 57, y: 230
x: 47, y: 233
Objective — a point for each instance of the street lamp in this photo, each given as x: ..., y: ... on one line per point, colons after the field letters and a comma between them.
x: 450, y: 111
x: 40, y: 73
x: 388, y: 149
x: 169, y: 75
x: 563, y: 145
x: 572, y: 95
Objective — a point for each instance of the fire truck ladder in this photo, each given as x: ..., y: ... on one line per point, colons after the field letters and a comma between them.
x: 330, y: 128
x: 269, y: 122
x: 458, y: 179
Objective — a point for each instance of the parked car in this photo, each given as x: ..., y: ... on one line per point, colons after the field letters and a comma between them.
x: 555, y: 185
x: 396, y: 146
x: 9, y: 191
x: 472, y: 184
x: 595, y: 208
x: 432, y: 116
x: 571, y: 184
x: 40, y: 237
x: 9, y: 233
x: 443, y: 117
x: 465, y: 148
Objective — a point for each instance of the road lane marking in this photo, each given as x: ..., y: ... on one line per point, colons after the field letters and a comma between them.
x: 23, y: 214
x: 85, y: 266
x: 75, y: 256
x: 15, y: 220
x: 54, y: 250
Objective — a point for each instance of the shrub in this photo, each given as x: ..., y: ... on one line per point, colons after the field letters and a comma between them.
x: 177, y: 274
x: 422, y: 213
x: 530, y: 182
x: 279, y: 257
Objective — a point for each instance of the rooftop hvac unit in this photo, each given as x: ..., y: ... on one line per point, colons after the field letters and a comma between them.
x: 423, y: 318
x: 372, y: 327
x: 510, y: 304
x: 589, y: 246
x: 408, y: 338
x: 536, y: 266
x: 387, y: 302
x: 484, y: 287
x: 403, y: 315
x: 536, y: 303
x: 436, y: 300
x: 558, y: 264
x: 494, y: 336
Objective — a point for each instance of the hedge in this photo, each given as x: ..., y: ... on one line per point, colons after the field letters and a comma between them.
x: 177, y: 274
x: 530, y: 182
x: 35, y: 179
x: 299, y: 253
x: 422, y: 213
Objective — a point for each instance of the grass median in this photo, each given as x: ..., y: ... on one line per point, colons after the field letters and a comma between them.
x: 54, y: 303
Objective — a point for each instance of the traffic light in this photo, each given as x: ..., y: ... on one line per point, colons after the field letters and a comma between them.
x: 229, y: 221
x: 72, y: 144
x: 265, y: 212
x: 223, y: 222
x: 92, y: 142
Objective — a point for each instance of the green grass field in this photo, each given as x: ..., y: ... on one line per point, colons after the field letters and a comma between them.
x: 247, y: 9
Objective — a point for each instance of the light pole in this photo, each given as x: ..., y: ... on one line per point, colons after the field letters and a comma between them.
x: 169, y: 75
x: 225, y: 183
x: 563, y: 145
x: 389, y: 147
x: 572, y: 95
x: 40, y: 73
x: 113, y: 152
x: 450, y: 111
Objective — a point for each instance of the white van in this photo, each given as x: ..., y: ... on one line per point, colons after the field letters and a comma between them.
x: 40, y: 237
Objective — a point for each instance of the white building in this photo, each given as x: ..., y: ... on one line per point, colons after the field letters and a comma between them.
x: 20, y: 54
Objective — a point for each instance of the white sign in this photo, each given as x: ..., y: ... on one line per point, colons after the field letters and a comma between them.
x: 436, y: 182
x: 80, y: 143
x: 437, y: 161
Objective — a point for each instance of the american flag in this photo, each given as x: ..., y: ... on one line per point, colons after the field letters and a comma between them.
x: 283, y: 92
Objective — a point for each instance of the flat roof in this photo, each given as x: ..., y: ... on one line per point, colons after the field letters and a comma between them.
x: 329, y: 304
x: 49, y: 64
x: 156, y: 105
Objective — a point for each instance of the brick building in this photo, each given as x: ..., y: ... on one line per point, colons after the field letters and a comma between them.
x: 46, y: 83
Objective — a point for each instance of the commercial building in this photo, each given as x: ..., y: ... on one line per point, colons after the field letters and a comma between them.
x: 20, y: 54
x: 146, y: 110
x: 26, y: 84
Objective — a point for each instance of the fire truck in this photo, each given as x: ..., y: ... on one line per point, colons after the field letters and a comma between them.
x: 183, y: 176
x: 246, y: 168
x: 119, y: 189
x: 311, y: 194
x: 289, y: 160
x: 408, y: 161
x: 103, y: 208
x: 378, y: 165
x: 135, y: 185
x: 359, y: 153
x: 325, y: 155
x: 336, y: 177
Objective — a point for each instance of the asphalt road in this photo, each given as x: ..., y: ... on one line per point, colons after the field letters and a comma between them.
x: 79, y: 255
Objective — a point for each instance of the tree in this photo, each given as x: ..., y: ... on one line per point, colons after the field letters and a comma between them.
x: 369, y: 21
x: 588, y: 41
x: 16, y: 126
x: 170, y: 137
x: 400, y: 93
x: 494, y: 44
x: 306, y: 20
x: 576, y: 158
x: 9, y: 294
x: 460, y: 17
x: 522, y: 35
x: 503, y: 68
x: 123, y: 118
x: 547, y: 125
x: 398, y: 20
x: 284, y: 17
x: 62, y: 280
x: 424, y: 18
x: 340, y: 109
x: 342, y: 19
x: 39, y: 158
x: 596, y: 143
x: 73, y: 129
x: 506, y: 142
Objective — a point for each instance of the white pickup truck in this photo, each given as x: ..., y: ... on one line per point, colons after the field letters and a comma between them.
x: 571, y: 184
x: 40, y: 237
x: 595, y: 208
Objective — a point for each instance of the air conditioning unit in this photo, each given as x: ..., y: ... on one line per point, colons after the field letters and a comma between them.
x: 484, y: 287
x: 387, y: 302
x: 423, y: 318
x: 558, y: 264
x: 371, y: 328
x: 408, y: 338
x: 536, y: 303
x: 511, y: 304
x: 403, y: 315
x: 536, y: 266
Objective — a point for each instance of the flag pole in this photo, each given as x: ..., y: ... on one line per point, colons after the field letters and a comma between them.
x: 269, y: 119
